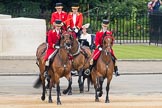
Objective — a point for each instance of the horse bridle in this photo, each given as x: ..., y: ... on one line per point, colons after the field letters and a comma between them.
x: 67, y: 45
x: 107, y: 51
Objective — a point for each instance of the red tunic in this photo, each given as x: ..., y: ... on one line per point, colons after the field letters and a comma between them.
x: 62, y: 16
x: 53, y: 38
x: 70, y: 22
x: 98, y: 42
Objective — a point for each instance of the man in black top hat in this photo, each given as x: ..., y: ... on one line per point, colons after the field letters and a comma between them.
x: 59, y: 14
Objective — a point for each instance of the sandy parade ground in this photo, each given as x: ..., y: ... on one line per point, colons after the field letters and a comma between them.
x: 82, y: 101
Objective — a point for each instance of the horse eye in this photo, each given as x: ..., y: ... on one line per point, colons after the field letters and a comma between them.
x: 71, y: 37
x: 104, y: 43
x: 62, y: 37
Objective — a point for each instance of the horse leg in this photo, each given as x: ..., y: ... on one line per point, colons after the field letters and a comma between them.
x: 68, y: 90
x: 58, y: 94
x: 48, y: 83
x: 83, y: 81
x: 43, y: 88
x: 107, y: 93
x: 50, y: 89
x: 96, y: 95
x: 80, y: 80
x: 101, y: 80
x: 88, y: 83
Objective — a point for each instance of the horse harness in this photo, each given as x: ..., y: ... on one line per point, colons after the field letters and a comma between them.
x: 79, y: 50
x: 107, y: 53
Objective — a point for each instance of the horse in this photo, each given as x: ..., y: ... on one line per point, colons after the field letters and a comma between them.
x: 80, y: 55
x: 103, y: 69
x: 61, y: 66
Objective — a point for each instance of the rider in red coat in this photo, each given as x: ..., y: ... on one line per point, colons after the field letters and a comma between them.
x: 59, y: 14
x: 98, y: 42
x: 75, y: 19
x: 53, y: 40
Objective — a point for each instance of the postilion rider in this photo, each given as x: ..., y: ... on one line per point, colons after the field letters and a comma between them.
x: 54, y: 36
x: 98, y: 42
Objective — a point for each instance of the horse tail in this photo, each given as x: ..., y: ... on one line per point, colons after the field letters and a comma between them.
x: 38, y: 82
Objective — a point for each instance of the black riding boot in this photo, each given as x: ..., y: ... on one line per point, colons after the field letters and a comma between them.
x: 116, y: 71
x: 115, y: 67
x: 87, y: 72
x: 46, y: 72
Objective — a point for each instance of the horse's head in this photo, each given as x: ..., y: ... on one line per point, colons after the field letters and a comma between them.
x: 66, y: 40
x: 107, y: 43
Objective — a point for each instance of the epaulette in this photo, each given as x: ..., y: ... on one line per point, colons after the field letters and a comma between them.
x: 79, y: 13
x: 101, y: 31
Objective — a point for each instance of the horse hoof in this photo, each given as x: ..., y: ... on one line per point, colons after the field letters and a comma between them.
x: 81, y: 91
x: 59, y: 103
x: 96, y: 100
x: 100, y: 94
x: 107, y: 101
x: 65, y: 92
x: 50, y: 101
x: 43, y: 98
x: 70, y: 93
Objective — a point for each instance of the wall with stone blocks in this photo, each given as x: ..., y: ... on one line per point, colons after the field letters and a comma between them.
x: 21, y: 36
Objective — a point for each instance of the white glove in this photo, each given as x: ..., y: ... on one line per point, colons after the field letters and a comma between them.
x: 100, y: 49
x: 69, y: 29
x: 62, y: 24
x: 57, y: 47
x: 76, y: 30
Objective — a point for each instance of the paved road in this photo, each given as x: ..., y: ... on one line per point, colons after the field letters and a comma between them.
x: 125, y: 84
x: 126, y: 67
x: 17, y: 77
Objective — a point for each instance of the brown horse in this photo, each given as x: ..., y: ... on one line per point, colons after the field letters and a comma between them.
x: 103, y: 69
x: 80, y: 55
x: 61, y: 66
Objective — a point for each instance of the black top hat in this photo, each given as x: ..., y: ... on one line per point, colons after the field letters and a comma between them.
x: 75, y: 5
x: 58, y: 22
x: 60, y: 5
x: 105, y: 21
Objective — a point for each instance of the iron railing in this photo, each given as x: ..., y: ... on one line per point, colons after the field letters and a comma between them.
x: 127, y: 28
